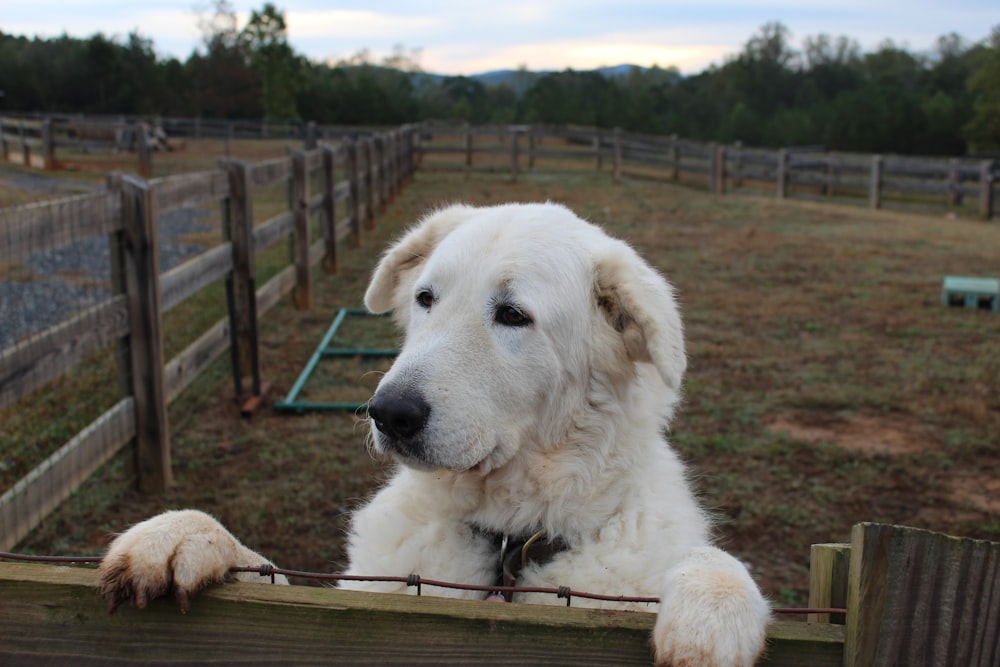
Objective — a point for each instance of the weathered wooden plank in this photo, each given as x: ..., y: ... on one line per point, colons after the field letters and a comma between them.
x: 41, y: 359
x: 345, y: 228
x: 922, y: 598
x: 173, y: 192
x: 302, y: 295
x: 314, y: 160
x: 46, y: 225
x: 54, y: 613
x: 328, y: 185
x: 277, y: 228
x: 275, y: 288
x: 183, y: 369
x: 829, y: 565
x: 239, y: 228
x: 37, y: 494
x: 188, y: 278
x: 142, y: 271
x: 270, y: 171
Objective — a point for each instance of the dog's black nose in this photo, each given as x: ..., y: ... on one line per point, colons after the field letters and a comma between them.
x: 399, y: 414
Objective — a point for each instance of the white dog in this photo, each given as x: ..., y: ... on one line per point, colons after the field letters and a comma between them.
x: 542, y: 362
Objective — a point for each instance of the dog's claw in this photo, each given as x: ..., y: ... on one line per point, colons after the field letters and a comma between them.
x: 183, y: 601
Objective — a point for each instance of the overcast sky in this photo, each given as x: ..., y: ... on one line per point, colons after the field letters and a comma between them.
x: 454, y: 37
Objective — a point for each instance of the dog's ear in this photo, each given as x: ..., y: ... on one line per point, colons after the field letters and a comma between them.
x: 401, y: 261
x: 639, y: 303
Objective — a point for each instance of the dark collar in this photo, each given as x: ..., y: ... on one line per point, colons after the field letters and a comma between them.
x: 517, y: 551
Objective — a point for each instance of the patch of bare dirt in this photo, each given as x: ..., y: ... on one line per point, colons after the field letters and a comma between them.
x: 982, y: 492
x: 862, y: 433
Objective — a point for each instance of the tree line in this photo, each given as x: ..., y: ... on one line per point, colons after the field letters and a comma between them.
x: 828, y: 92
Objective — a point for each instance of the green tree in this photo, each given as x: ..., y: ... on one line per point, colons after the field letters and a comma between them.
x: 265, y: 39
x: 983, y: 128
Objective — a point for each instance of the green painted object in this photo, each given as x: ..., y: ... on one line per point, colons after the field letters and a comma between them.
x: 292, y: 402
x: 976, y: 293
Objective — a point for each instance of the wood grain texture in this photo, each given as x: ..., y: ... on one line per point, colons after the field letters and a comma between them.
x: 53, y: 614
x: 922, y: 598
x: 43, y: 358
x: 25, y: 505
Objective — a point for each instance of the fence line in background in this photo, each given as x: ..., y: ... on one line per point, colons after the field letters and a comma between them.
x: 35, y: 140
x: 127, y: 214
x: 719, y: 168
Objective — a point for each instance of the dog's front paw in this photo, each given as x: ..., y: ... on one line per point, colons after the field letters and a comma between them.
x: 711, y: 614
x: 180, y: 552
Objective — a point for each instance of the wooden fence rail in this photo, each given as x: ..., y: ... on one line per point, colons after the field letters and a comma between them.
x: 912, y: 598
x: 127, y: 214
x: 807, y: 170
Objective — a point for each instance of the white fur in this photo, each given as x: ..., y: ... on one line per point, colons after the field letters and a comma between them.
x: 554, y: 425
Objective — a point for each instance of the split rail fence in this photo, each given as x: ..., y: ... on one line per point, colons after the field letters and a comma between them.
x: 358, y: 175
x: 879, y: 180
x: 911, y: 598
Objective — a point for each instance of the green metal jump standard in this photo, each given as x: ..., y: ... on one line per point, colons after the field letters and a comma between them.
x: 292, y: 402
x: 977, y: 293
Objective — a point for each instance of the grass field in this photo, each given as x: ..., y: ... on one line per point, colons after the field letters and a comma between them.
x: 826, y: 386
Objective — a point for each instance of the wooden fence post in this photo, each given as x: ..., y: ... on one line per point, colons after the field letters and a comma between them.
x: 142, y: 277
x: 598, y: 153
x: 310, y: 138
x: 116, y: 251
x: 241, y: 283
x: 514, y: 134
x: 369, y: 142
x: 467, y: 143
x: 916, y: 597
x: 954, y: 183
x: 25, y: 150
x: 330, y: 208
x: 143, y: 149
x: 531, y: 147
x: 829, y: 565
x: 354, y: 187
x: 48, y: 145
x: 302, y: 294
x: 383, y: 146
x: 986, y: 198
x: 618, y: 155
x: 737, y: 168
x: 391, y: 166
x: 782, y: 173
x: 831, y: 175
x: 875, y: 184
x: 717, y: 177
x: 675, y: 159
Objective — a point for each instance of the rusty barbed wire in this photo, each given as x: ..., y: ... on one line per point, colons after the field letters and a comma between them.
x: 418, y: 582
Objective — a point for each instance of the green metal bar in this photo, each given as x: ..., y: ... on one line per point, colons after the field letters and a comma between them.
x: 291, y: 402
x: 314, y: 359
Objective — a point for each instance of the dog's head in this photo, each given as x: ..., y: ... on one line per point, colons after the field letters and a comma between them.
x: 519, y: 320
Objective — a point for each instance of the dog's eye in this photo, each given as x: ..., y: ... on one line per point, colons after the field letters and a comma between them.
x: 425, y: 299
x: 511, y: 317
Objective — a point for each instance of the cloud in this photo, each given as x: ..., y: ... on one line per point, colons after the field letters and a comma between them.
x: 354, y: 24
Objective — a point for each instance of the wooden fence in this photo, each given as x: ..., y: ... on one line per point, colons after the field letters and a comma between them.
x: 361, y: 173
x: 912, y: 598
x: 807, y: 170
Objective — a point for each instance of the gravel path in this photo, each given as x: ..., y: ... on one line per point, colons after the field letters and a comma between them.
x: 68, y: 279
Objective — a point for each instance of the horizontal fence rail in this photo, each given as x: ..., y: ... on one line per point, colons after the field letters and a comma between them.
x: 943, y: 611
x: 352, y: 175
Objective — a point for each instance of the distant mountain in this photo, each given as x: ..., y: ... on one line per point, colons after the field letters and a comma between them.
x: 514, y: 76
